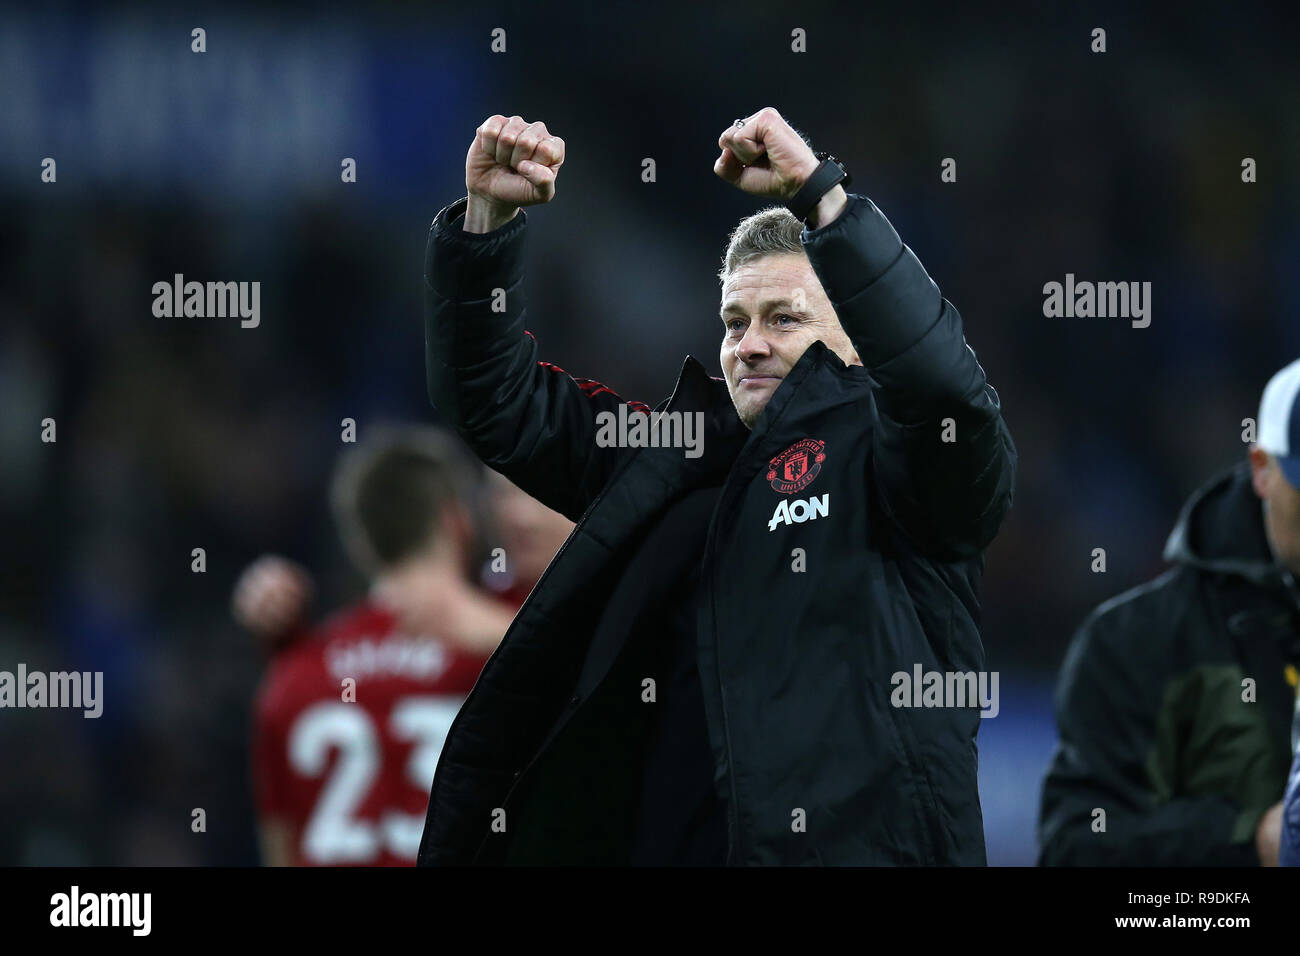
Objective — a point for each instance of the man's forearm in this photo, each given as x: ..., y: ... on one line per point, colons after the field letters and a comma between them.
x: 482, y: 216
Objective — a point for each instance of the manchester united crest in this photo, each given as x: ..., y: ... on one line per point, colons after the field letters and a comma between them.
x: 795, y: 468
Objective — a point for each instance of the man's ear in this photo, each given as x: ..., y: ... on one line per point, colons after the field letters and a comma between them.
x: 1261, y: 466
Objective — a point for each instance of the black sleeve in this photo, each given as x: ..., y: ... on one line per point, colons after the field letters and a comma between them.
x: 943, y: 459
x: 528, y: 419
x: 1107, y: 708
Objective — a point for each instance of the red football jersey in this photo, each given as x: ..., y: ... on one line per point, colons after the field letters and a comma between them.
x: 350, y: 771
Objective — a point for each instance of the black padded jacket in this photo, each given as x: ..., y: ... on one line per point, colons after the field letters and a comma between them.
x: 883, y: 483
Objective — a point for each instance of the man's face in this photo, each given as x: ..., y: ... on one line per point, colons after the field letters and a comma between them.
x: 773, y: 308
x: 1281, y: 508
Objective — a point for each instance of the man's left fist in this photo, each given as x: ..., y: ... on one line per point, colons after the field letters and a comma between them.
x: 765, y: 157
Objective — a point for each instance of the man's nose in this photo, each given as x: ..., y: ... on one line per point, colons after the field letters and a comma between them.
x: 752, y: 344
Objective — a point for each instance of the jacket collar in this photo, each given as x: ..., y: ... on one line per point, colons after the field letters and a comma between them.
x: 697, y: 390
x: 726, y: 438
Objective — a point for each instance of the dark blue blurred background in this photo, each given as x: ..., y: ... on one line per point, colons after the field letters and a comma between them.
x: 183, y: 433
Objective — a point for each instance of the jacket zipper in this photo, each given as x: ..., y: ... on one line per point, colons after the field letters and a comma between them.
x: 734, y: 850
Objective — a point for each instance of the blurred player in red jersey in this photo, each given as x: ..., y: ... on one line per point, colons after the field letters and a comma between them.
x: 351, y: 716
x: 530, y: 534
x: 274, y: 593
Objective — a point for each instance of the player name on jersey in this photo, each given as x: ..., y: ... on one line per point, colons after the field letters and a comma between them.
x: 418, y: 658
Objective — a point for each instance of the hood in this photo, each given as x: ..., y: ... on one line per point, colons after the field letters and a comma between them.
x: 1221, y: 529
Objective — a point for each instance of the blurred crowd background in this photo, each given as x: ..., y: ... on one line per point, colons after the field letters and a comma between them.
x: 179, y: 433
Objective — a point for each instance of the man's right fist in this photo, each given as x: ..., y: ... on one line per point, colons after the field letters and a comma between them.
x: 512, y: 163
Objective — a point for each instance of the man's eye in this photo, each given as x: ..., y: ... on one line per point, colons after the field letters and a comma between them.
x: 782, y: 315
x: 735, y: 325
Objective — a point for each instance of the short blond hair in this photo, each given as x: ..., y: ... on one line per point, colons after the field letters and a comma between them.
x: 771, y: 231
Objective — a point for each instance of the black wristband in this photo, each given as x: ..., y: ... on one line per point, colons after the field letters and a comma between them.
x: 829, y: 174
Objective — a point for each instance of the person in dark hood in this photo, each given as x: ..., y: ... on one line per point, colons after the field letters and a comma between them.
x: 1175, y: 699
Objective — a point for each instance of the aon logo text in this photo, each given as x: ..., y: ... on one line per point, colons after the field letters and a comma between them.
x: 797, y: 512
